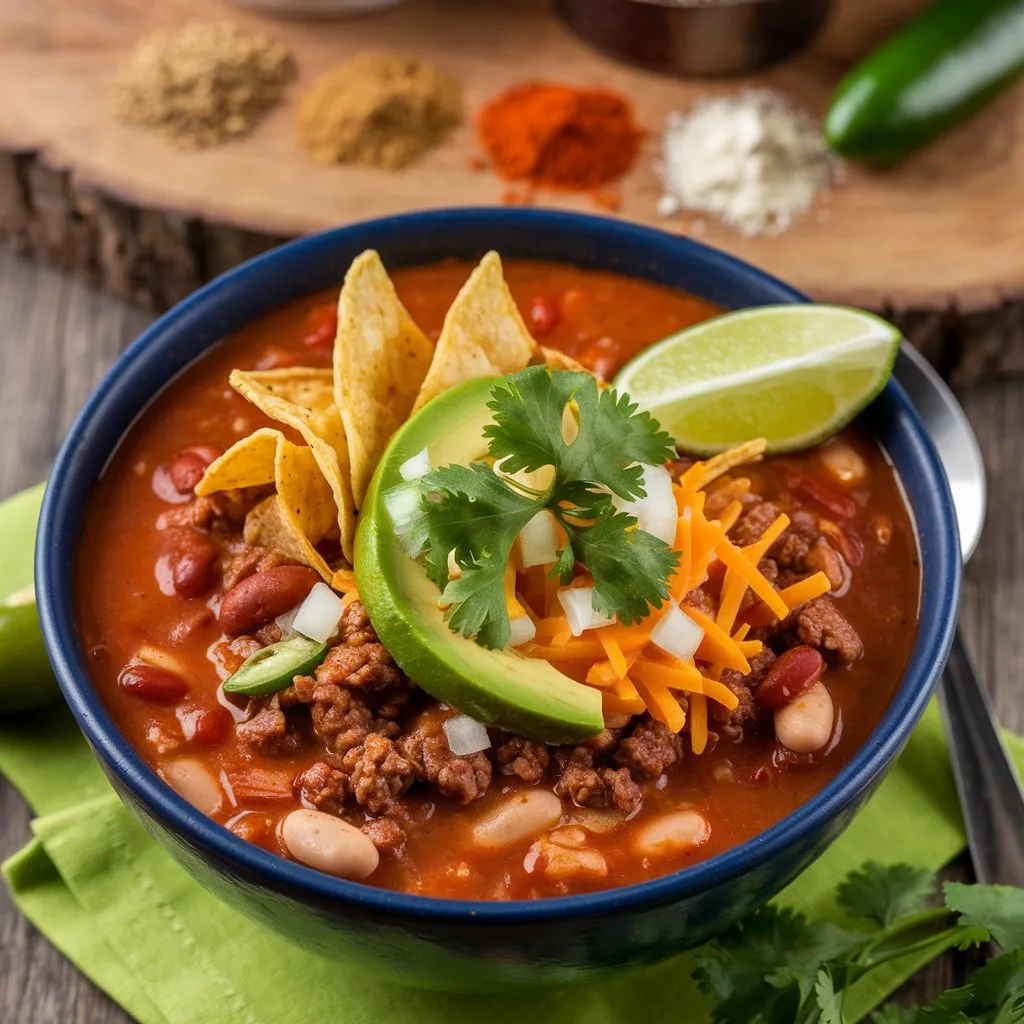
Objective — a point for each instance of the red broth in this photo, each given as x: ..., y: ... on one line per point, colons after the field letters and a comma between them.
x: 128, y: 602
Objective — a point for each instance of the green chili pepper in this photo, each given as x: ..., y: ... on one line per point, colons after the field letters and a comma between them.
x: 274, y: 667
x: 935, y: 73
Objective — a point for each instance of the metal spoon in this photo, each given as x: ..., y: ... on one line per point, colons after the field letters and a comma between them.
x: 991, y: 795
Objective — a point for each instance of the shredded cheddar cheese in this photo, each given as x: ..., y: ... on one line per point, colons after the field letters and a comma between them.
x: 632, y: 673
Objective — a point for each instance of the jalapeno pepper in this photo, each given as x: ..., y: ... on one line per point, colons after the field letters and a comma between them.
x: 935, y: 73
x: 273, y: 668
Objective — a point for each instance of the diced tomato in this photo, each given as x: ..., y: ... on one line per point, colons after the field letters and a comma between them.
x: 321, y: 327
x: 824, y: 494
x: 276, y: 358
x: 544, y: 316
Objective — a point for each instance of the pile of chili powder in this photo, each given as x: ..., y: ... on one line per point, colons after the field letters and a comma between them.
x: 560, y: 137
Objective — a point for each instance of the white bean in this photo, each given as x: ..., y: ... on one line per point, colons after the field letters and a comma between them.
x: 676, y: 832
x: 329, y: 844
x: 521, y: 816
x: 843, y: 464
x: 189, y: 779
x: 560, y: 855
x: 805, y: 724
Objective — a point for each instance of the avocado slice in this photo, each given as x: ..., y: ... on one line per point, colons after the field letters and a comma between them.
x: 526, y: 696
x: 26, y: 679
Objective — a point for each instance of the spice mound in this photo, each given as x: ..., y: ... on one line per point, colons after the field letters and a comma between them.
x: 377, y: 109
x: 203, y: 83
x: 748, y: 158
x: 559, y: 137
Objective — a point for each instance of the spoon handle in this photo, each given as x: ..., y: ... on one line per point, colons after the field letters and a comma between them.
x: 991, y: 796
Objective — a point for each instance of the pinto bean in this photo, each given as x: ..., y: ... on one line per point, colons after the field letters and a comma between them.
x: 677, y: 832
x: 328, y: 844
x: 192, y: 556
x: 521, y: 816
x: 263, y: 596
x: 149, y: 683
x: 805, y: 724
x: 791, y: 674
x: 192, y: 781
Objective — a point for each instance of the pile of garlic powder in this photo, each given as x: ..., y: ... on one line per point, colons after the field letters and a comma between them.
x: 749, y: 158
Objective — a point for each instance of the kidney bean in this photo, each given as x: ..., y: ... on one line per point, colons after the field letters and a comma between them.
x: 186, y: 471
x: 204, y: 725
x: 544, y: 316
x: 149, y: 683
x: 263, y: 596
x: 602, y: 356
x: 192, y: 556
x: 792, y: 674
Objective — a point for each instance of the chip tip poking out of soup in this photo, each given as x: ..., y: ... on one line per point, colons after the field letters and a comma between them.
x: 395, y: 587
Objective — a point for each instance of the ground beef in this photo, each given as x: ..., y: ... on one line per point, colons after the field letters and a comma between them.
x: 340, y: 717
x: 239, y: 560
x: 754, y: 522
x: 587, y: 786
x: 790, y: 550
x: 731, y: 723
x: 269, y: 634
x: 649, y: 749
x: 426, y: 746
x: 227, y: 507
x: 267, y: 730
x: 355, y: 625
x: 526, y: 759
x: 386, y: 834
x: 821, y: 624
x: 376, y: 774
x: 700, y: 599
x: 322, y: 787
x: 822, y: 558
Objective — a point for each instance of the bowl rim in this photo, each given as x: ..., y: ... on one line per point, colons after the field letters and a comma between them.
x: 56, y: 603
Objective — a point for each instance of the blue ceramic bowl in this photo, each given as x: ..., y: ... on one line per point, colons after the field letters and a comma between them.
x: 442, y: 943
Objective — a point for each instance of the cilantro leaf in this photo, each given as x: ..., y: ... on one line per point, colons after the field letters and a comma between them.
x: 613, y: 436
x: 998, y: 909
x: 1001, y: 982
x: 829, y: 998
x: 885, y: 893
x: 893, y: 1013
x: 468, y: 510
x: 630, y: 568
x: 765, y: 968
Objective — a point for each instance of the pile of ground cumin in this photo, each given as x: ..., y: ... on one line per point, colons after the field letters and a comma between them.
x: 558, y: 136
x: 377, y: 109
x: 202, y: 83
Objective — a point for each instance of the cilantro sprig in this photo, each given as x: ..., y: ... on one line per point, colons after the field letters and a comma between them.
x: 777, y: 967
x: 477, y: 513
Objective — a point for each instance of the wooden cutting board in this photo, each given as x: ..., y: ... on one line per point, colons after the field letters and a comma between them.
x: 151, y: 222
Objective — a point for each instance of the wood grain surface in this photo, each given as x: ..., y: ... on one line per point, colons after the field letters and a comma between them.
x: 57, y: 338
x: 142, y: 216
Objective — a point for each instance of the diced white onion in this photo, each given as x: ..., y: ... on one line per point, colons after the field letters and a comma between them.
x: 318, y: 616
x: 538, y: 540
x: 655, y: 512
x: 466, y: 735
x: 417, y: 466
x: 677, y: 634
x: 523, y: 630
x: 286, y: 622
x: 403, y: 506
x: 578, y: 605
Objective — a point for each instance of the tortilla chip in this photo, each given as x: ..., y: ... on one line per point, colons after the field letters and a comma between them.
x: 741, y: 455
x: 247, y: 463
x: 556, y: 360
x: 380, y: 360
x: 303, y: 399
x: 483, y: 334
x: 302, y: 512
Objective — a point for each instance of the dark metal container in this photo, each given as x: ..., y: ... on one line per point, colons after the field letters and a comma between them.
x: 696, y: 37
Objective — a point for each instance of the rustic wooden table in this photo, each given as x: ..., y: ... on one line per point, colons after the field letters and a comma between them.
x: 57, y: 338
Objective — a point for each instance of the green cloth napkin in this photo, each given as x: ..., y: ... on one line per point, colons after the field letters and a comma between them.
x: 118, y: 906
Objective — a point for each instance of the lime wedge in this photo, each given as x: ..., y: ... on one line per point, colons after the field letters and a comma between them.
x: 792, y: 374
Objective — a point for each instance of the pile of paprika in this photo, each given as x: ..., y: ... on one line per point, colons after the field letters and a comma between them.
x: 560, y: 137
